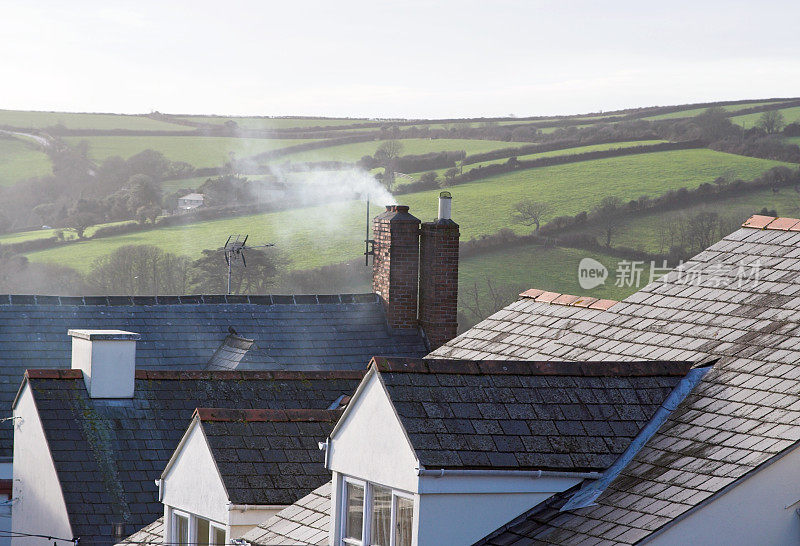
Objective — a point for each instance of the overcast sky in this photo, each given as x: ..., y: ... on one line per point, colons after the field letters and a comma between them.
x: 400, y: 58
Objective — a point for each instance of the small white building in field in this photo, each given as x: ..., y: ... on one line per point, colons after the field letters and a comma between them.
x: 191, y: 201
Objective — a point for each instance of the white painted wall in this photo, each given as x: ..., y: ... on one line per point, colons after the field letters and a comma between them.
x: 465, y: 518
x: 193, y: 483
x: 760, y: 510
x: 370, y: 442
x: 39, y: 506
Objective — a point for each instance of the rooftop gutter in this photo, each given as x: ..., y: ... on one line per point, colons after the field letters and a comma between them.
x: 589, y: 493
x: 533, y: 474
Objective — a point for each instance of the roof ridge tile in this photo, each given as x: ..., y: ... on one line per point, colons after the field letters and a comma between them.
x: 254, y: 375
x: 568, y: 300
x: 777, y: 223
x: 188, y: 299
x: 264, y: 415
x: 642, y: 368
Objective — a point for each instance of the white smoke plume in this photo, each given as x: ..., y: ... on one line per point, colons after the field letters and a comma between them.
x: 314, y: 187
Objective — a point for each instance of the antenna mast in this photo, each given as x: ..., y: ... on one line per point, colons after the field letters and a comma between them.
x: 234, y: 249
x: 367, y: 241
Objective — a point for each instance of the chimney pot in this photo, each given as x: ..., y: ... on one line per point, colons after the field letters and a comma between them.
x: 107, y: 359
x: 445, y: 202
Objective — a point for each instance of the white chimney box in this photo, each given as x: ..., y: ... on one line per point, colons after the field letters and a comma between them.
x: 107, y: 359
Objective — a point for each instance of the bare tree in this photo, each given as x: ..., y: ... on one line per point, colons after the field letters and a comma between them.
x: 530, y: 213
x: 386, y: 156
x: 480, y: 303
x: 140, y: 270
x: 609, y: 217
x: 771, y: 121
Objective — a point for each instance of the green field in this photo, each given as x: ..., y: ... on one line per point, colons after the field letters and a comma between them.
x: 747, y: 121
x: 793, y: 140
x: 533, y: 266
x: 199, y: 151
x: 40, y: 120
x: 569, y: 189
x: 276, y: 123
x: 20, y: 159
x: 644, y: 233
x: 697, y: 111
x: 570, y: 151
x: 411, y: 146
x: 565, y: 151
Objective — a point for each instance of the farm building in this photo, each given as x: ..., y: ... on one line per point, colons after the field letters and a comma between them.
x: 190, y: 201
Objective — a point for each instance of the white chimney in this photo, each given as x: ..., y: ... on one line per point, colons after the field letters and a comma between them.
x: 445, y: 201
x: 107, y: 359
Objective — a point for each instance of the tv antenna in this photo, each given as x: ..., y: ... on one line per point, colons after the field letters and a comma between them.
x: 367, y: 241
x: 234, y: 249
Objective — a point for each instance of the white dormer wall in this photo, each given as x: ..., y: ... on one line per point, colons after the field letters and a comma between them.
x: 39, y: 506
x: 191, y: 484
x: 370, y: 444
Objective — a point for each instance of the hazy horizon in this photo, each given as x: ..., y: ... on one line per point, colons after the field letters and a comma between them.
x: 415, y: 60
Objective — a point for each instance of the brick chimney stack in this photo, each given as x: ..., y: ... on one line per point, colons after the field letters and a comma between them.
x: 438, y: 276
x: 395, y: 269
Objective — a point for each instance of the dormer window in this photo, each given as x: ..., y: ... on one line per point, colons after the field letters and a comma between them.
x: 191, y: 530
x: 373, y: 515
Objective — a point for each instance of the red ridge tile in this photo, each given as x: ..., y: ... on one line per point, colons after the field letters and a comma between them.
x: 531, y: 293
x: 565, y: 299
x: 758, y: 221
x: 784, y: 224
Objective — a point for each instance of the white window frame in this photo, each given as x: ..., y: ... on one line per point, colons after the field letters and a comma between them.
x: 192, y: 522
x: 173, y: 526
x: 366, y: 521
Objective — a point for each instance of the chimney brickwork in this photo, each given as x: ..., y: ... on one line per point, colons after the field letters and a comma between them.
x: 438, y: 281
x: 395, y: 273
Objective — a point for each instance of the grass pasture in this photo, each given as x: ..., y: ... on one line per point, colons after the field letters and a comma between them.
x: 20, y: 159
x: 569, y: 189
x: 644, y: 232
x: 40, y: 120
x: 533, y: 266
x: 265, y: 123
x: 697, y: 111
x: 790, y: 115
x: 411, y: 146
x: 200, y: 151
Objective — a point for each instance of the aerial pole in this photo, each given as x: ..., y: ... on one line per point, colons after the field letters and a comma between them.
x: 234, y: 249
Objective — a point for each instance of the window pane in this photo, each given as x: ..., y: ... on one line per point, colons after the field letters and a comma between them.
x: 202, y: 531
x: 181, y: 529
x: 354, y: 504
x: 218, y: 536
x: 405, y: 521
x: 381, y: 516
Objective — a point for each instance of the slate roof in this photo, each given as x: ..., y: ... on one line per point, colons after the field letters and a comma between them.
x: 738, y: 300
x: 512, y: 333
x: 183, y: 332
x: 306, y: 522
x: 152, y: 534
x: 268, y: 456
x: 573, y: 416
x: 240, y: 353
x: 107, y: 453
